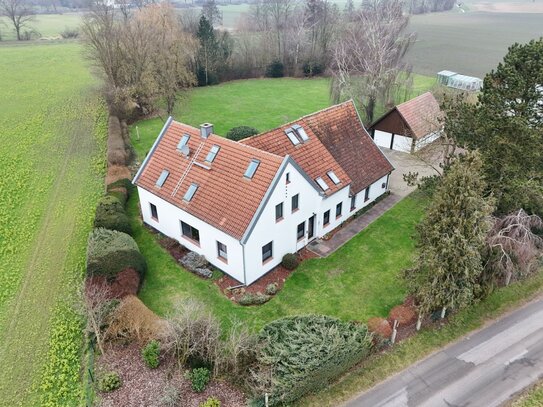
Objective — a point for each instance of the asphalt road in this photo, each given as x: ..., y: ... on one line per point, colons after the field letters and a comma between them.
x: 483, y: 370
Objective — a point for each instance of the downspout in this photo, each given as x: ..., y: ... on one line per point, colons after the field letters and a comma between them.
x: 243, y: 254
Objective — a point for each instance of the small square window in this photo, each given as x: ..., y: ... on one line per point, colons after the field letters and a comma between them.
x: 300, y: 231
x: 154, y: 212
x: 267, y: 251
x: 295, y: 202
x: 326, y: 218
x: 279, y: 211
x: 339, y: 207
x: 190, y: 232
x: 222, y: 250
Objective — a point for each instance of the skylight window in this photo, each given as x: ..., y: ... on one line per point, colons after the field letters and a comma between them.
x: 292, y: 137
x: 184, y: 140
x: 332, y: 175
x: 212, y: 153
x: 162, y: 179
x: 251, y: 169
x: 190, y: 192
x: 301, y: 132
x: 322, y: 183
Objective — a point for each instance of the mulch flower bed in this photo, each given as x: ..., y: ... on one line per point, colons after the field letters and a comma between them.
x: 277, y: 276
x: 142, y: 386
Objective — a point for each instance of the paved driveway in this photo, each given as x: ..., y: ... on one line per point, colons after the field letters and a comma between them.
x: 403, y: 164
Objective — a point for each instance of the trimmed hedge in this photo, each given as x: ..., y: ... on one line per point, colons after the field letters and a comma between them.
x: 241, y: 132
x: 304, y: 353
x: 125, y: 183
x: 110, y: 252
x: 110, y: 215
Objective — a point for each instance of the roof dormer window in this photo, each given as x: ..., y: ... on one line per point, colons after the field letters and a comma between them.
x: 190, y: 192
x: 251, y: 169
x: 292, y: 136
x: 162, y: 178
x: 324, y: 186
x: 212, y: 153
x: 301, y: 132
x: 183, y: 142
x: 332, y: 175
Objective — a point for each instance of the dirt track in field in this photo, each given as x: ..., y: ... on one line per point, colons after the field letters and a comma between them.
x: 23, y: 343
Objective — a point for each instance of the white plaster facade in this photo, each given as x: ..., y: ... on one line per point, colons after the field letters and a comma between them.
x: 244, y: 257
x: 403, y: 143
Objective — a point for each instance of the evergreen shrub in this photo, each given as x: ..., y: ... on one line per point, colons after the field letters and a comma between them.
x: 110, y: 252
x: 302, y: 354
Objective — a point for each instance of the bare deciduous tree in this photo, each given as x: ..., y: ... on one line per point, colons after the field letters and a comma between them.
x: 97, y: 309
x: 144, y: 57
x: 369, y: 57
x: 515, y: 248
x: 19, y: 12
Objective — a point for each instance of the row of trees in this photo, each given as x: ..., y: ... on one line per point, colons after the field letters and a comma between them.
x: 483, y: 227
x: 150, y: 54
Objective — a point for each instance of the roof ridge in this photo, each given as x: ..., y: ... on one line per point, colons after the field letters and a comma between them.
x: 233, y: 142
x: 299, y: 118
x: 412, y: 99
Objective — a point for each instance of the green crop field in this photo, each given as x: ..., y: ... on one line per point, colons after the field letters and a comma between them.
x: 52, y: 129
x: 48, y: 25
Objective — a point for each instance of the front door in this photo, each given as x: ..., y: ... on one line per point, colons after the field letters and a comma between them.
x: 311, y: 228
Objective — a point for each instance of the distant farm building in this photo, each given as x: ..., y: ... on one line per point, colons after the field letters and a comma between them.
x: 409, y: 126
x: 458, y: 81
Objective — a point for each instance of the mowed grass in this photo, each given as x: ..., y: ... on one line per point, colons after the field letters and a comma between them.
x: 360, y: 280
x: 52, y: 129
x: 260, y: 103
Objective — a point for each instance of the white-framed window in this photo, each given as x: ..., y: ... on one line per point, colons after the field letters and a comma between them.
x: 222, y: 250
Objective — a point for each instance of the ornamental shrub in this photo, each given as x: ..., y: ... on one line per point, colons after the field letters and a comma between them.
x: 109, y: 381
x: 275, y: 69
x: 199, y: 378
x: 253, y: 299
x: 211, y: 402
x: 123, y: 182
x: 110, y: 251
x: 404, y: 314
x: 301, y: 354
x: 120, y: 194
x: 272, y: 288
x: 290, y: 261
x: 241, y: 132
x: 110, y: 215
x: 151, y: 353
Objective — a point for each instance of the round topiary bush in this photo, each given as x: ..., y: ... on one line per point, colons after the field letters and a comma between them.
x: 272, y: 288
x: 109, y: 381
x: 110, y: 252
x: 240, y: 132
x: 110, y: 215
x: 290, y: 261
x: 275, y: 69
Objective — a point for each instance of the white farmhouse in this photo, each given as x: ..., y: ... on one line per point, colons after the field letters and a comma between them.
x: 244, y: 205
x: 409, y: 126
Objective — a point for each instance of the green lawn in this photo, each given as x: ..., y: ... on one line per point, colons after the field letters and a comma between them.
x: 532, y: 398
x: 260, y: 103
x: 360, y: 280
x: 52, y: 128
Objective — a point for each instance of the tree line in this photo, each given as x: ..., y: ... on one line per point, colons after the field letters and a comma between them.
x: 149, y: 55
x: 483, y: 227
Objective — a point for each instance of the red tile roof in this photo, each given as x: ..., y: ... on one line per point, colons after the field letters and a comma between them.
x: 337, y: 141
x: 312, y: 156
x: 340, y: 130
x: 421, y: 115
x: 224, y: 198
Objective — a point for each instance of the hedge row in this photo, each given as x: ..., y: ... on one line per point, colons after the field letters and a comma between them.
x: 109, y: 252
x: 301, y: 354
